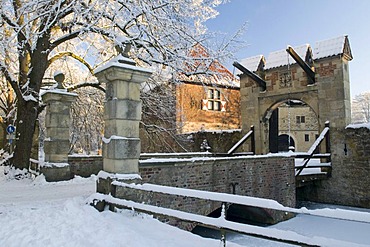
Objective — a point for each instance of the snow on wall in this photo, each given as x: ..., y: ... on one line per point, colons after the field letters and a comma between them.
x: 357, y: 126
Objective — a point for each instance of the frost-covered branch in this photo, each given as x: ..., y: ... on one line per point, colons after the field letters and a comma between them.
x: 86, y: 84
x: 73, y: 55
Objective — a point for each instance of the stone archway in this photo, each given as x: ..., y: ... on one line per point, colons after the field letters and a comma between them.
x: 320, y: 78
x: 294, y: 119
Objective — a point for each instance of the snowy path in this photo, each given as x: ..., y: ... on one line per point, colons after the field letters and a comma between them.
x: 38, y: 214
x: 18, y: 192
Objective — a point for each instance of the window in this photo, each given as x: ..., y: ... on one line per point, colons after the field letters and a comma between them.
x: 213, y: 101
x: 301, y: 119
x: 306, y: 138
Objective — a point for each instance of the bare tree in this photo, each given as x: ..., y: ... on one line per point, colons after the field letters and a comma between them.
x: 87, y: 121
x: 361, y: 108
x: 39, y: 33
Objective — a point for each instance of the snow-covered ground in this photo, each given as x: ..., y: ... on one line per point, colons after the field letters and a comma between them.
x: 37, y: 213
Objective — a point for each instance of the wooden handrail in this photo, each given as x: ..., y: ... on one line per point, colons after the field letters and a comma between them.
x: 310, y: 153
x: 241, y: 141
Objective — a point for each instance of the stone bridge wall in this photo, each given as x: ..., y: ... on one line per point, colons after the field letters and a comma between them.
x: 271, y: 178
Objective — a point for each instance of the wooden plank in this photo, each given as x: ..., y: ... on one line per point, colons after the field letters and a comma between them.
x: 260, y: 82
x: 309, y: 71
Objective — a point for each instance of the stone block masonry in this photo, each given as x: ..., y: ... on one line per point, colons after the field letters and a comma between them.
x: 122, y: 114
x: 56, y: 143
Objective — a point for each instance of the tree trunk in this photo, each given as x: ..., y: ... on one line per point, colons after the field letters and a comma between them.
x: 26, y: 119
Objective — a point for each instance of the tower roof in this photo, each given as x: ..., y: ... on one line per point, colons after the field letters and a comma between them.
x: 333, y: 47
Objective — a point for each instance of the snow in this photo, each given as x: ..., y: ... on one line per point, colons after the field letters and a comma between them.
x: 322, y: 49
x: 357, y: 126
x: 214, y: 131
x: 127, y: 64
x: 223, y: 223
x: 114, y: 137
x: 57, y: 91
x: 247, y: 200
x: 34, y: 212
x: 37, y: 213
x: 29, y: 98
x: 282, y: 58
x: 105, y: 175
x: 48, y: 164
x: 212, y: 158
x: 318, y: 141
x: 252, y: 63
x: 329, y: 47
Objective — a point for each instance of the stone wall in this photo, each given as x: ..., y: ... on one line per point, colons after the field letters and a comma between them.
x: 271, y: 177
x: 78, y: 165
x: 219, y: 141
x: 350, y: 183
x: 85, y: 166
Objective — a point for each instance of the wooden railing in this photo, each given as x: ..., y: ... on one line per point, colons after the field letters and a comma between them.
x: 250, y: 134
x: 310, y: 154
x: 221, y: 223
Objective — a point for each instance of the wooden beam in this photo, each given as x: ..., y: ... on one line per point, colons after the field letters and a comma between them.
x: 310, y: 73
x: 260, y: 82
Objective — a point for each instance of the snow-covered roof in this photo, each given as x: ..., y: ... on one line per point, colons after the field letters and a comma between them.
x: 326, y: 48
x: 282, y: 58
x: 212, y: 79
x: 331, y: 47
x: 253, y: 63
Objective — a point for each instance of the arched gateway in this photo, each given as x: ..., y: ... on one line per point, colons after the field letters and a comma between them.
x: 319, y: 78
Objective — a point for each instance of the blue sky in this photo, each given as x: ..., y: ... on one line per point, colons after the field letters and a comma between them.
x: 274, y: 24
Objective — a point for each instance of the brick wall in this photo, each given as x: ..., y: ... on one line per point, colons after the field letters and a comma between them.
x: 85, y: 166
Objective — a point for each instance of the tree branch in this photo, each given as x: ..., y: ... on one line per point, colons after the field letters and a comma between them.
x: 11, y: 80
x: 87, y: 84
x: 71, y: 54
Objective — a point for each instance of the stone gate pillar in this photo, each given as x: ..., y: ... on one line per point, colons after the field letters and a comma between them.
x: 122, y: 114
x: 57, y: 122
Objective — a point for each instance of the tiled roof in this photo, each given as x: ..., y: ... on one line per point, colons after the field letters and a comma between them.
x: 281, y: 58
